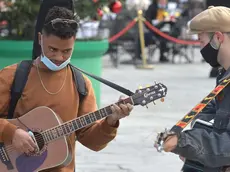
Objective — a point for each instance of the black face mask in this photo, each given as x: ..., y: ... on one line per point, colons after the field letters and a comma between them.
x: 210, y: 55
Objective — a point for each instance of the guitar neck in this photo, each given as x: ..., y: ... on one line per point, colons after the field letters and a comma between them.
x: 69, y: 127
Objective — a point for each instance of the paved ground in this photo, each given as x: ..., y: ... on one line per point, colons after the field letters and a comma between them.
x: 132, y: 150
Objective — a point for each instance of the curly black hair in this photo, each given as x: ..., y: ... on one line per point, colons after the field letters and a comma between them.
x: 65, y: 32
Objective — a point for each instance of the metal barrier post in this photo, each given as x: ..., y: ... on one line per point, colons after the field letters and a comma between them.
x: 142, y: 41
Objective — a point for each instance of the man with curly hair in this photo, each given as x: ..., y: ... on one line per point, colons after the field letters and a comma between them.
x: 50, y: 83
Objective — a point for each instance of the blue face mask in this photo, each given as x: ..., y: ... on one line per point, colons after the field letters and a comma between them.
x: 49, y: 64
x: 53, y: 66
x: 161, y: 6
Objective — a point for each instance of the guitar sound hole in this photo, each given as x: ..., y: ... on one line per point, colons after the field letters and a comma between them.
x: 40, y: 140
x: 41, y: 145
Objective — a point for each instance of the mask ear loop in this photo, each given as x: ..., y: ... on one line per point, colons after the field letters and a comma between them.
x: 42, y: 49
x: 213, y: 44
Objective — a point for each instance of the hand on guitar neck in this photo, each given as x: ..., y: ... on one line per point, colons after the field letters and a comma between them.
x: 119, y: 111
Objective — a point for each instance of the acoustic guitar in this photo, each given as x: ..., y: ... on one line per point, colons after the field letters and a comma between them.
x: 49, y: 133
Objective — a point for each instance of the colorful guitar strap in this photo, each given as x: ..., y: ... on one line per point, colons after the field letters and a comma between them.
x: 181, y: 124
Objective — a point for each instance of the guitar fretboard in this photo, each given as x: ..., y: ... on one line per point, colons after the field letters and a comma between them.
x: 71, y: 126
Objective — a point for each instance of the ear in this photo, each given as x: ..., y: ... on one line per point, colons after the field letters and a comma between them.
x: 219, y: 36
x: 74, y: 37
x: 39, y: 37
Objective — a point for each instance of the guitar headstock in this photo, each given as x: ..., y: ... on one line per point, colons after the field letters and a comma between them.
x: 149, y: 94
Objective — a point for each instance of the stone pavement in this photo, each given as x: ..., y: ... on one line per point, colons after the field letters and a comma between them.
x: 132, y: 150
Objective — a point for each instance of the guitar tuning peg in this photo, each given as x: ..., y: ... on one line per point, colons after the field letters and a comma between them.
x: 155, y: 82
x: 148, y: 85
x: 140, y: 87
x: 162, y: 99
x: 147, y: 107
x: 154, y: 103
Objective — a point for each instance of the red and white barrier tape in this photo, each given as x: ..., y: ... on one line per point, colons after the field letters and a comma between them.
x: 123, y: 31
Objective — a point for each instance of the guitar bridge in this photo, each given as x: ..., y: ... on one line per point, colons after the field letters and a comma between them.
x: 5, y: 158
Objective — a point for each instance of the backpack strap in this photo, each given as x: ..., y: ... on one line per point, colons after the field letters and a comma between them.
x: 19, y: 82
x: 79, y: 83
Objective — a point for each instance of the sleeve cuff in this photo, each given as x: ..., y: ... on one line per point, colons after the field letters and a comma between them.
x: 180, y: 144
x: 8, y: 133
x: 106, y: 128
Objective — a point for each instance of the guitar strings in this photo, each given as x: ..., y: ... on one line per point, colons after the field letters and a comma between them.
x: 11, y: 148
x: 40, y: 139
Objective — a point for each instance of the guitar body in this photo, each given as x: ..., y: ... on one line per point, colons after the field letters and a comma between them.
x: 193, y: 166
x: 51, y: 155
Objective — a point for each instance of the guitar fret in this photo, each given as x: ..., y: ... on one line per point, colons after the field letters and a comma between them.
x: 125, y: 101
x: 63, y: 129
x: 97, y: 115
x: 72, y: 123
x: 45, y: 137
x: 75, y: 124
x: 78, y: 123
x: 70, y: 126
x: 50, y: 135
x: 54, y: 134
x: 93, y: 117
x: 109, y: 110
x: 82, y: 119
x: 60, y: 131
x: 103, y: 112
x: 100, y: 114
x: 87, y: 118
x: 67, y: 129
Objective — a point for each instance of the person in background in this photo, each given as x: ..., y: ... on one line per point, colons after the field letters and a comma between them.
x: 154, y: 12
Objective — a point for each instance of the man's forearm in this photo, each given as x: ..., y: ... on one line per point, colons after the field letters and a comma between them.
x: 210, y: 149
x: 97, y: 136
